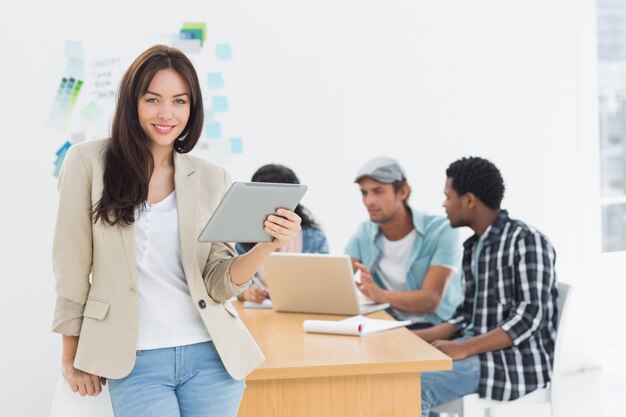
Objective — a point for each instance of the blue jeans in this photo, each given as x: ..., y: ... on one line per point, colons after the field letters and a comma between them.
x: 183, y: 381
x: 440, y: 387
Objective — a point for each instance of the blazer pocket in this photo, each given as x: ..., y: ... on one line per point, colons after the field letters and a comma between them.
x: 96, y: 308
x: 230, y: 308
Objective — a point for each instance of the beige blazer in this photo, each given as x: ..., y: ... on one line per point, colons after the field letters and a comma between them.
x: 96, y: 272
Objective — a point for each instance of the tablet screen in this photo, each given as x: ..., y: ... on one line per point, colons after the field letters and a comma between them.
x: 240, y: 215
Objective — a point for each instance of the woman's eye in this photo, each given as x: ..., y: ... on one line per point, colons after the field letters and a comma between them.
x: 180, y: 101
x: 151, y: 100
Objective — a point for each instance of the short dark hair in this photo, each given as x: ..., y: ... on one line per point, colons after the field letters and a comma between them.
x: 477, y: 176
x: 397, y: 187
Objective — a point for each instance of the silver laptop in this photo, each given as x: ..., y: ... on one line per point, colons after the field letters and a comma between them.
x: 315, y: 283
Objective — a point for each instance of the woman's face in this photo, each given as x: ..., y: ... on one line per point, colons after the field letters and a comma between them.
x: 164, y: 110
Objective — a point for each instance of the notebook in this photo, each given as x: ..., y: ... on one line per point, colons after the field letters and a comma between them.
x: 353, y: 326
x: 315, y: 283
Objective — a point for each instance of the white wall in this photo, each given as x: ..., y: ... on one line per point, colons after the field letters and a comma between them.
x: 322, y: 87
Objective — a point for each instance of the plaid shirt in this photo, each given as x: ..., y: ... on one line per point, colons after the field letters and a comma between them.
x: 515, y: 290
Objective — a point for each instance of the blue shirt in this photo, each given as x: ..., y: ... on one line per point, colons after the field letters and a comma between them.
x: 313, y: 241
x: 437, y: 244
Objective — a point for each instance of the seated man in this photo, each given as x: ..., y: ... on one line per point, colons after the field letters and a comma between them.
x: 507, y: 322
x: 408, y: 259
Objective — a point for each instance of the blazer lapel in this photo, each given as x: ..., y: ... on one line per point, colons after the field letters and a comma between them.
x: 186, y: 201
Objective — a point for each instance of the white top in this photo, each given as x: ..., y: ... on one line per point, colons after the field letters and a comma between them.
x: 167, y: 315
x: 392, y: 269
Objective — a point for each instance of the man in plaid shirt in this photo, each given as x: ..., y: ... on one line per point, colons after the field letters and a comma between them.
x: 502, y: 336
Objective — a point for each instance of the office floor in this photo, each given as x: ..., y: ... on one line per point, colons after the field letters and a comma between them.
x: 593, y: 393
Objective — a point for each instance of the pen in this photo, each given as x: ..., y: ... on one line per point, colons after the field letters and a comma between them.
x: 259, y: 283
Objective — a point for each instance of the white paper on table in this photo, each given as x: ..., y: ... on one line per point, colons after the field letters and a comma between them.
x: 267, y: 303
x: 354, y: 326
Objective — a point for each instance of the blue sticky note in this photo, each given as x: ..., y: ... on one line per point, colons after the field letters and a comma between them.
x: 216, y: 80
x: 57, y: 166
x: 236, y: 145
x: 222, y: 50
x: 63, y: 149
x: 220, y: 104
x: 213, y: 130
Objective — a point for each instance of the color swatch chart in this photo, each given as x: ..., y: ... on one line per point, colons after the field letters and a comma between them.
x: 64, y: 102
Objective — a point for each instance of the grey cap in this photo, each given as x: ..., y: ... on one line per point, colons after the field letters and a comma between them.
x: 382, y: 169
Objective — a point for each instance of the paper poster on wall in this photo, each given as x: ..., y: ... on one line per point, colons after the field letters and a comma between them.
x: 64, y: 102
x: 88, y: 104
x: 105, y: 65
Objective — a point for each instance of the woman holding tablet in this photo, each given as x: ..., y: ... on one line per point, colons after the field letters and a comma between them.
x: 140, y: 301
x: 311, y: 238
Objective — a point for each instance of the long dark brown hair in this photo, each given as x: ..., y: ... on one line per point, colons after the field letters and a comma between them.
x: 128, y: 162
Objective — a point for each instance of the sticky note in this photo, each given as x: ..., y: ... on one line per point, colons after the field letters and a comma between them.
x: 188, y: 46
x: 220, y: 104
x: 223, y: 51
x: 236, y: 145
x: 63, y: 149
x: 77, y: 138
x: 75, y: 67
x: 74, y: 49
x: 213, y: 130
x: 196, y: 25
x: 57, y: 167
x: 192, y: 34
x: 92, y: 111
x: 216, y: 80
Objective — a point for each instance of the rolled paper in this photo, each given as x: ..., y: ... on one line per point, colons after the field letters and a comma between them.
x: 352, y: 328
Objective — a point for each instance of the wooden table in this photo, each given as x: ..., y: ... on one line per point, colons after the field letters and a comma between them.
x: 321, y: 375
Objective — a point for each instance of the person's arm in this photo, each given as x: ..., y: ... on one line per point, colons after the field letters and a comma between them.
x: 71, y: 260
x: 254, y: 294
x: 443, y: 331
x: 532, y: 295
x: 225, y: 274
x: 424, y: 300
x: 496, y: 339
x: 283, y: 227
x: 79, y: 381
x: 534, y: 273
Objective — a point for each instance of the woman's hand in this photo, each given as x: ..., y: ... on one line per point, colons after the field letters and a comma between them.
x: 82, y: 382
x: 254, y: 294
x: 282, y: 226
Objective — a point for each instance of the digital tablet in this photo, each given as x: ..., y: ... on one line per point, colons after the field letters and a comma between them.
x: 240, y: 215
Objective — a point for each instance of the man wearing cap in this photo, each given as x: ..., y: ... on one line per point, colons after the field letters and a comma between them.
x: 408, y: 259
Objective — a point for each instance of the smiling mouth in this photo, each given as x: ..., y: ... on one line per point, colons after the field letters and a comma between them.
x: 164, y: 128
